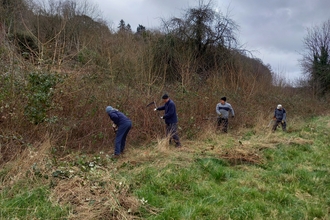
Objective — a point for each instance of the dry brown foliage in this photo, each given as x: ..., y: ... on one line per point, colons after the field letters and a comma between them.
x: 29, y: 163
x: 90, y: 200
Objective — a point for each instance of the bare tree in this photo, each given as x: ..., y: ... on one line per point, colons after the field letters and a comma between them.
x: 204, y: 27
x: 199, y: 43
x: 316, y: 58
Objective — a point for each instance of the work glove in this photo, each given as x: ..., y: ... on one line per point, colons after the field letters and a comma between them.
x: 161, y: 117
x: 282, y: 121
x: 155, y: 109
x: 114, y: 127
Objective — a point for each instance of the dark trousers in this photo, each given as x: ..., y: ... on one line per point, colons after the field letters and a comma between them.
x: 224, y: 123
x: 172, y: 132
x: 277, y: 123
x: 121, y: 135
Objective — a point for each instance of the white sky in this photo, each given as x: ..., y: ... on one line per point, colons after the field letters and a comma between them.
x: 272, y: 29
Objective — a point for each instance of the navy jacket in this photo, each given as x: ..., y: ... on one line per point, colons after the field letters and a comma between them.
x: 170, y: 115
x: 280, y: 114
x: 118, y: 117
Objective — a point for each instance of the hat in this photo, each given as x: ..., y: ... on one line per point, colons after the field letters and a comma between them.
x: 223, y: 98
x: 108, y: 109
x: 165, y: 96
x: 279, y: 106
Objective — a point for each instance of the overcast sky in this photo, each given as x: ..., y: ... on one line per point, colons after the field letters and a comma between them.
x: 272, y: 29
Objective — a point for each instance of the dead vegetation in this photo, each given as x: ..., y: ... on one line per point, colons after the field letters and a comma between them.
x: 102, y: 199
x: 237, y: 155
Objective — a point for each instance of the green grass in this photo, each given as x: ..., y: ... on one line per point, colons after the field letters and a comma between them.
x: 292, y: 182
x: 21, y: 202
x: 209, y: 190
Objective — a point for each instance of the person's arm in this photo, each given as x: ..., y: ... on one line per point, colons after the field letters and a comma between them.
x: 161, y: 108
x: 232, y: 111
x: 284, y: 115
x: 114, y: 117
x: 217, y: 109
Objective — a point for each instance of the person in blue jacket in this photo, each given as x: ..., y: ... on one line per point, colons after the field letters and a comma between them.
x: 121, y: 125
x: 279, y: 118
x: 171, y: 119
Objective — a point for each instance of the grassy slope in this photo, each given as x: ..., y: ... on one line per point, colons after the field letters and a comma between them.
x: 253, y: 174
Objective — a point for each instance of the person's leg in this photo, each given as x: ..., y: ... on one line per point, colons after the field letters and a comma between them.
x: 225, y: 125
x: 174, y: 134
x: 117, y: 143
x: 219, y: 122
x: 169, y: 132
x: 275, y: 125
x: 119, y: 137
x: 284, y: 126
x: 123, y: 140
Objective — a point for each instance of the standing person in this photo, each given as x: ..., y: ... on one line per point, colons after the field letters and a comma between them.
x: 222, y: 110
x: 279, y: 118
x: 171, y: 119
x: 121, y: 124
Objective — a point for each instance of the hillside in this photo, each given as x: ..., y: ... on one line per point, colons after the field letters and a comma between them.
x: 61, y: 65
x: 247, y: 174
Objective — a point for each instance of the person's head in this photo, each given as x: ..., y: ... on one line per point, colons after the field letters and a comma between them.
x: 108, y: 109
x: 165, y: 98
x: 223, y: 100
x: 279, y: 106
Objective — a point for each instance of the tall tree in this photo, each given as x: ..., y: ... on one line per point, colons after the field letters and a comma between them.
x: 316, y: 60
x: 123, y: 28
x: 122, y: 25
x: 140, y: 29
x: 203, y: 27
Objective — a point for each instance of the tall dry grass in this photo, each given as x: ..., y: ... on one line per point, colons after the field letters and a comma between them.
x: 122, y: 70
